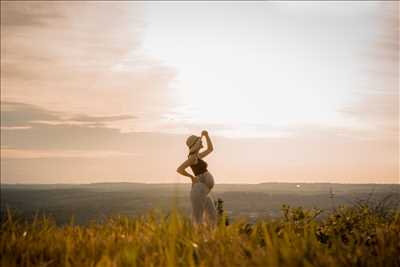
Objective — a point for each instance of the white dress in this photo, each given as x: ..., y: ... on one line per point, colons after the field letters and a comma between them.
x: 203, y: 207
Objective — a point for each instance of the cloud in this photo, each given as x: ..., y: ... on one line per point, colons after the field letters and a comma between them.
x: 46, y: 154
x: 86, y: 118
x: 69, y: 57
x: 21, y: 114
x: 60, y: 153
x: 378, y: 102
x: 17, y: 115
x: 72, y: 152
x: 19, y: 14
x: 31, y: 127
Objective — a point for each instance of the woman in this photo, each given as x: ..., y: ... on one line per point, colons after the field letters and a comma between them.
x: 202, y: 180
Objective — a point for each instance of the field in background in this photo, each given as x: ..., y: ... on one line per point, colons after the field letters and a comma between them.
x: 96, y: 201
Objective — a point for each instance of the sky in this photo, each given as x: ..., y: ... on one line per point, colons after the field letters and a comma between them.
x: 288, y: 91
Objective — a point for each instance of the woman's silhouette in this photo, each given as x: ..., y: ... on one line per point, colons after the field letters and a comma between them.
x: 202, y: 181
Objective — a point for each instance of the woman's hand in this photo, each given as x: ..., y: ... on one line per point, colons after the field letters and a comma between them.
x: 204, y: 132
x: 194, y: 179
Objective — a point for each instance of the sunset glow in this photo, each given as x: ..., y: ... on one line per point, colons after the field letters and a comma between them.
x: 289, y: 91
x: 231, y: 73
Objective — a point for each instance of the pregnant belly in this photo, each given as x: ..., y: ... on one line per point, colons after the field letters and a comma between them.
x: 207, y: 179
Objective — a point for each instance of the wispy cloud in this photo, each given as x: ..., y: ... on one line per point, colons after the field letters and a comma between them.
x: 68, y: 56
x: 21, y: 114
x: 378, y: 102
x: 43, y: 154
x: 24, y: 116
x: 86, y: 118
x: 76, y: 152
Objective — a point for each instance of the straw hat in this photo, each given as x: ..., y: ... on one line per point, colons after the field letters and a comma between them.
x: 191, y: 141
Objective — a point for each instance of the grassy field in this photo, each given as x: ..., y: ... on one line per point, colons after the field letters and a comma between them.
x: 348, y: 236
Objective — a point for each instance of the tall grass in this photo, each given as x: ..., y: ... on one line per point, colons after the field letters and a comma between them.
x: 347, y: 237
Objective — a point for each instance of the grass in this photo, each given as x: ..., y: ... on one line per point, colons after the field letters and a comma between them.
x: 355, y: 236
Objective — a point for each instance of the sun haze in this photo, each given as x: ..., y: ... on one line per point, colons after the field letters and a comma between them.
x: 288, y: 91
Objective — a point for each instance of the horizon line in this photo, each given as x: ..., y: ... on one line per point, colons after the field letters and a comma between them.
x: 169, y: 183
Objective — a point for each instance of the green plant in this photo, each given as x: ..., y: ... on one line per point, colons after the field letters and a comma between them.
x: 223, y: 217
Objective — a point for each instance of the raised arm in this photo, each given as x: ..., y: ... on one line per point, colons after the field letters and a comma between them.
x: 182, y: 168
x: 210, y: 147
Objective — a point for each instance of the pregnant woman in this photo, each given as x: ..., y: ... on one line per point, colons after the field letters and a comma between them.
x: 202, y: 180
